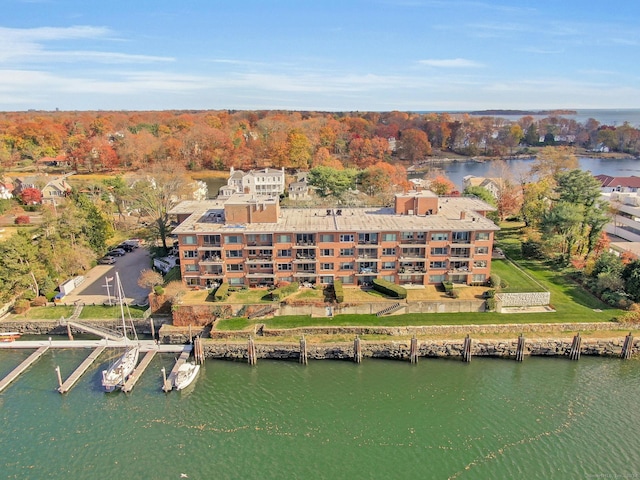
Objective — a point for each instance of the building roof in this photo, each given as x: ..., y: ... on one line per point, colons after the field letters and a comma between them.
x: 206, y: 219
x: 628, y: 182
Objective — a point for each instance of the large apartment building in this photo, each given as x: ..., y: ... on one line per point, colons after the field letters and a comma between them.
x: 250, y: 240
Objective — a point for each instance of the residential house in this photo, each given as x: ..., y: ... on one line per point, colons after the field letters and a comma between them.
x: 492, y: 185
x: 299, y: 190
x: 622, y: 195
x: 251, y: 240
x: 267, y: 181
x: 6, y: 189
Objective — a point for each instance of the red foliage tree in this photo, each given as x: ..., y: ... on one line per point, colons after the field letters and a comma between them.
x: 31, y: 196
x: 22, y: 220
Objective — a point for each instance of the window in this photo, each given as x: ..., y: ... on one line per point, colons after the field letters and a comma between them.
x: 285, y: 267
x: 238, y: 267
x: 368, y: 238
x: 326, y: 266
x: 482, y: 236
x: 234, y: 253
x: 327, y: 237
x: 191, y: 267
x: 326, y: 279
x: 283, y: 238
x: 388, y: 265
x: 480, y: 264
x: 439, y: 236
x: 211, y: 239
x: 326, y: 252
x: 389, y: 278
x: 389, y: 237
x: 346, y: 237
x: 189, y: 240
x: 460, y: 237
x: 347, y: 252
x: 347, y: 266
x: 284, y: 253
x: 439, y: 251
x: 437, y: 265
x: 482, y: 250
x: 348, y: 280
x: 285, y: 279
x: 407, y: 236
x: 232, y: 239
x: 192, y: 281
x: 478, y: 278
x: 190, y: 254
x: 436, y: 278
x: 236, y: 281
x: 389, y: 252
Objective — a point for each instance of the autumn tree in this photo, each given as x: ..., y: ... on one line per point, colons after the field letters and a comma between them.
x: 441, y: 185
x: 414, y: 145
x: 332, y: 182
x: 31, y: 196
x: 552, y: 160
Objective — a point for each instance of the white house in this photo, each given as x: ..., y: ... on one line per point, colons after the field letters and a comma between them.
x: 268, y: 181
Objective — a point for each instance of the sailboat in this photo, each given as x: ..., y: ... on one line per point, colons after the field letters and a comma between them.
x: 118, y: 372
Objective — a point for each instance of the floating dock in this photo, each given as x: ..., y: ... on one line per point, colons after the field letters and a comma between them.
x: 168, y: 385
x: 22, y: 367
x: 137, y: 373
x: 78, y: 372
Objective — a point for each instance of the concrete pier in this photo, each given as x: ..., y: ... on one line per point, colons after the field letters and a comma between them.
x: 137, y: 373
x: 15, y: 373
x: 75, y: 376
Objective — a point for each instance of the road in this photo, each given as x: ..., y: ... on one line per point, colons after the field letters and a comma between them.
x: 93, y: 289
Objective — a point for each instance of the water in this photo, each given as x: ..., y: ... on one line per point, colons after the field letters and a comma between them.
x: 543, y: 418
x: 611, y: 117
x: 456, y: 171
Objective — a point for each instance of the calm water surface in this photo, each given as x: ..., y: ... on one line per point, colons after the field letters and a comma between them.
x: 543, y: 418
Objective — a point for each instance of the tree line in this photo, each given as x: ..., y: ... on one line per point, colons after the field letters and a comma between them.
x: 108, y: 141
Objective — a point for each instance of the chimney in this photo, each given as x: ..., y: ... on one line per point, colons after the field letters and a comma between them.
x: 462, y: 215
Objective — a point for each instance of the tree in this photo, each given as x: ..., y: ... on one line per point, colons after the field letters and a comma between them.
x: 631, y: 277
x: 31, y: 196
x: 157, y: 194
x: 149, y: 279
x: 484, y: 195
x: 414, y: 145
x: 552, y: 160
x: 441, y: 185
x: 332, y: 182
x: 563, y: 221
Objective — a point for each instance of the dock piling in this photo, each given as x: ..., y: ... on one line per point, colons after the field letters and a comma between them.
x: 153, y: 328
x: 69, y: 332
x: 59, y: 377
x: 627, y: 348
x: 357, y: 350
x: 466, y: 349
x: 520, y: 348
x: 413, y: 353
x: 574, y: 352
x: 251, y: 352
x: 303, y: 350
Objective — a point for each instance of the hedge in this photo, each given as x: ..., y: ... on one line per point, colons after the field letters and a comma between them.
x: 389, y: 288
x: 282, y: 292
x: 338, y: 291
x: 448, y: 286
x: 222, y: 292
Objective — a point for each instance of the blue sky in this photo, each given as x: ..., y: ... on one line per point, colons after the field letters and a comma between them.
x: 331, y: 55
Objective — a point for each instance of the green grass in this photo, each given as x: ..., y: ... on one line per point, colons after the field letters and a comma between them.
x: 102, y: 311
x: 250, y: 296
x: 173, y: 274
x: 45, y: 313
x: 517, y: 280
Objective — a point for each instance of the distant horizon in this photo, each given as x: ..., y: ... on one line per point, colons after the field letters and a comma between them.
x: 334, y: 56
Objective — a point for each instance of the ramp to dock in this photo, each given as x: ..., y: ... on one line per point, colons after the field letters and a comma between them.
x: 137, y: 373
x: 22, y: 367
x: 184, y: 356
x: 95, y: 330
x: 75, y: 376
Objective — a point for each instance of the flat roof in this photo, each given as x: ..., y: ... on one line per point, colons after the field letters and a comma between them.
x: 360, y: 219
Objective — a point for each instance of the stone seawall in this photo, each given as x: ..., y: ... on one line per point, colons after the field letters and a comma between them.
x: 439, y: 330
x: 400, y: 350
x: 53, y: 327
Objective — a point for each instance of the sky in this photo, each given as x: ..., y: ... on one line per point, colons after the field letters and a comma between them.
x: 327, y: 55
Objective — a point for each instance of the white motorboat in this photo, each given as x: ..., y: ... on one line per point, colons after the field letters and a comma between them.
x: 186, y: 374
x: 118, y: 372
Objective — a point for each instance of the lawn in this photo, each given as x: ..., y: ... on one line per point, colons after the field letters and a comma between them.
x: 250, y: 296
x: 88, y: 312
x: 45, y: 313
x: 102, y: 311
x: 516, y: 279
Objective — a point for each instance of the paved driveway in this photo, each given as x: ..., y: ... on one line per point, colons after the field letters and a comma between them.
x: 93, y: 289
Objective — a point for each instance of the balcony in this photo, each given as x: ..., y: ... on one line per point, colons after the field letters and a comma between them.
x: 205, y: 260
x: 260, y: 259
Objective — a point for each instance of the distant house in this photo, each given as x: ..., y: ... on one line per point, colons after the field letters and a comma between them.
x: 59, y: 161
x: 299, y: 190
x: 6, y: 189
x: 492, y: 185
x: 268, y: 182
x: 618, y: 184
x: 55, y: 191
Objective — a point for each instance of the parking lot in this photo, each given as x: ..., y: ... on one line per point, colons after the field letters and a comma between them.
x: 128, y: 267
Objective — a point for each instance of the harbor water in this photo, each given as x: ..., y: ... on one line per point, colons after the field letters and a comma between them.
x: 542, y: 418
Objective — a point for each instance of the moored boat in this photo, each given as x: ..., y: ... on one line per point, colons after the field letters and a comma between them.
x: 186, y: 374
x: 9, y: 336
x: 118, y: 372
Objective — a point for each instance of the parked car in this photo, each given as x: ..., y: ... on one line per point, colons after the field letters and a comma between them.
x: 126, y: 247
x: 116, y: 252
x: 107, y: 260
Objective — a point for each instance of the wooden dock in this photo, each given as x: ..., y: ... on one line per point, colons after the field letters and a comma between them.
x: 168, y: 385
x: 22, y: 367
x: 137, y: 373
x: 78, y: 372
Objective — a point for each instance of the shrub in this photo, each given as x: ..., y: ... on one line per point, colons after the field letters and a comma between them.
x: 495, y: 280
x: 453, y: 293
x: 490, y: 293
x: 448, y: 286
x: 50, y: 295
x: 279, y: 293
x: 22, y: 220
x: 389, y: 288
x: 490, y: 304
x: 21, y: 306
x: 158, y: 290
x: 338, y: 291
x: 39, y: 301
x: 221, y: 293
x: 531, y: 249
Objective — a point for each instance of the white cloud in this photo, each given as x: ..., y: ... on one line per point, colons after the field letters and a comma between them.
x: 451, y: 63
